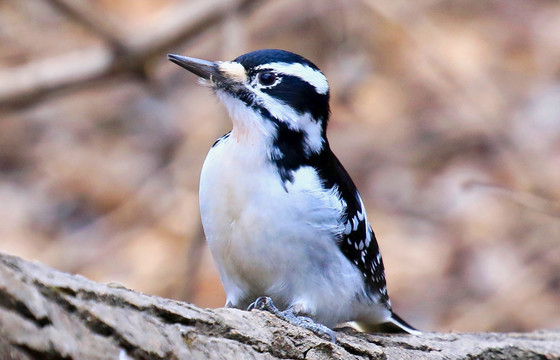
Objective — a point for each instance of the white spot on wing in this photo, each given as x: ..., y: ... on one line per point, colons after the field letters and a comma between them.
x: 348, y: 229
x: 360, y: 215
x: 368, y: 237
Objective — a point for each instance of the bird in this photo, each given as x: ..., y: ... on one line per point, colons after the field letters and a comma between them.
x: 284, y: 222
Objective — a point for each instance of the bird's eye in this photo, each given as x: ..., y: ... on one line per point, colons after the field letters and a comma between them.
x: 266, y: 78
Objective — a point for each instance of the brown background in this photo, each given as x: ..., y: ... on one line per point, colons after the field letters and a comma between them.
x: 445, y: 113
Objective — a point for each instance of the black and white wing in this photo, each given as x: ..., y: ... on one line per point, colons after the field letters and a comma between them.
x: 357, y: 242
x: 360, y: 246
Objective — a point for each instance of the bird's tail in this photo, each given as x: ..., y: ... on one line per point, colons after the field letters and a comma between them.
x: 393, y: 325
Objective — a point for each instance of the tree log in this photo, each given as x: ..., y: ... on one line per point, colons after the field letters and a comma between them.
x: 47, y: 314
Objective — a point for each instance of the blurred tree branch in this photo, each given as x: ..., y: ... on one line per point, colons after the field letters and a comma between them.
x: 83, y: 13
x: 525, y: 199
x: 120, y: 55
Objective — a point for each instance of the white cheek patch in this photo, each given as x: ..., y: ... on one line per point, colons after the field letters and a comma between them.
x: 276, y: 108
x: 311, y: 128
x: 304, y: 72
x: 233, y: 70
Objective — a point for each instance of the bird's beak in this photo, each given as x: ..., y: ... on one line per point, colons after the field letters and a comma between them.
x: 205, y: 69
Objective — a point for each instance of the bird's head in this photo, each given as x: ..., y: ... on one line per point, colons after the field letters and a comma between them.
x: 274, y: 96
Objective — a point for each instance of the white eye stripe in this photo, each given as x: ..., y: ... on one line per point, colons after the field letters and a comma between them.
x: 304, y: 72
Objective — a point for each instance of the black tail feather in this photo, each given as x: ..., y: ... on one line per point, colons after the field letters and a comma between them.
x: 394, y: 325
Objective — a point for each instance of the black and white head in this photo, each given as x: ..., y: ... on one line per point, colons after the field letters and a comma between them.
x: 273, y: 96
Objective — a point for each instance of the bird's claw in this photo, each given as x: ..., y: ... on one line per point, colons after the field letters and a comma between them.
x: 265, y: 303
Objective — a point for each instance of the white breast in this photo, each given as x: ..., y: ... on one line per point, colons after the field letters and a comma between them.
x: 272, y: 239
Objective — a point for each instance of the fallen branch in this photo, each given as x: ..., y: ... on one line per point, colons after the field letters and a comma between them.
x: 47, y: 314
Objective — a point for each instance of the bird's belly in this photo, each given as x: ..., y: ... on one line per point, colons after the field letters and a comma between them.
x: 272, y: 239
x: 254, y: 230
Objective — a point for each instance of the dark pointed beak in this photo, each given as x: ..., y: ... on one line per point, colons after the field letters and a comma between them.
x: 205, y: 69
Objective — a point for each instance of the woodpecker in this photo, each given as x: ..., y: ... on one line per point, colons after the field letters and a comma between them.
x: 283, y: 219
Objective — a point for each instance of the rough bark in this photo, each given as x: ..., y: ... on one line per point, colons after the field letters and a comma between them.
x: 47, y: 314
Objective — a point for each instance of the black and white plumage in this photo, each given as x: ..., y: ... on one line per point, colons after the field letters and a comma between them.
x: 282, y: 217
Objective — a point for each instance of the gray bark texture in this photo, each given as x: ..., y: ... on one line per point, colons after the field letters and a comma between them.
x: 47, y: 314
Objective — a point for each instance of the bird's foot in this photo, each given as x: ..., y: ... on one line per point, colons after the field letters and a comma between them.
x: 265, y: 303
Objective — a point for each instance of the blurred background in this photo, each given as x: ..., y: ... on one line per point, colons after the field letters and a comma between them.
x: 445, y: 113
